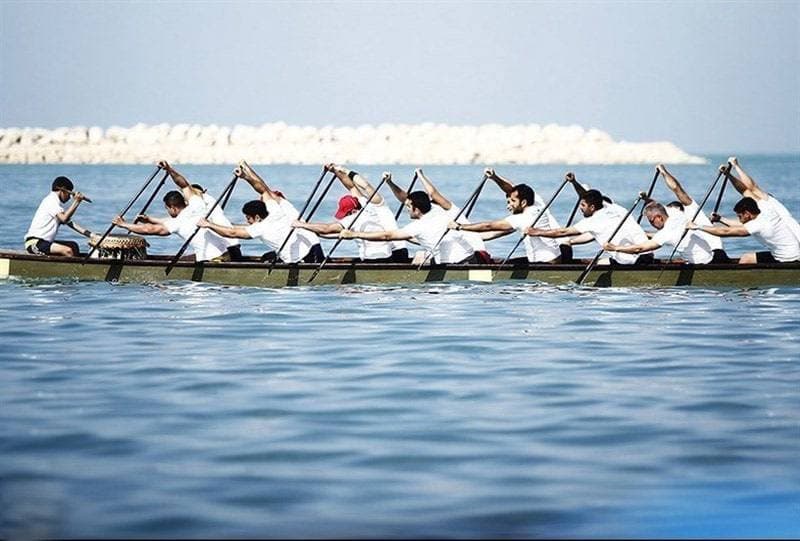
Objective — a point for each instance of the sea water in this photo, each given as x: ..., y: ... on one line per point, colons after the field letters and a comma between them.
x: 443, y: 410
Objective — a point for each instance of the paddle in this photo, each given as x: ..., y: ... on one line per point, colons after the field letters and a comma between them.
x: 126, y: 209
x: 152, y: 196
x: 403, y: 202
x: 725, y: 172
x: 340, y: 239
x: 84, y: 197
x: 177, y: 256
x: 649, y: 193
x: 574, y: 211
x: 522, y: 237
x: 446, y: 231
x: 474, y: 200
x: 721, y: 192
x: 300, y: 214
x: 594, y: 261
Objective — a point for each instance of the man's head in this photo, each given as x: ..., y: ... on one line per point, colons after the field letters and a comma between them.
x: 64, y: 187
x: 174, y: 202
x: 519, y: 198
x: 254, y: 211
x: 746, y: 209
x: 418, y: 204
x: 347, y: 205
x: 591, y: 202
x: 656, y: 214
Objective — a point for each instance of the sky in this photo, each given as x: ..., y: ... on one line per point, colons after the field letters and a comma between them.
x: 709, y: 76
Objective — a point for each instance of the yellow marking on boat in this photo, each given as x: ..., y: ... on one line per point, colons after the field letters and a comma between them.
x: 479, y: 275
x: 5, y: 265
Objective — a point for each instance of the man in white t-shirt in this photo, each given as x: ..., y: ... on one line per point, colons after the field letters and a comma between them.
x: 269, y: 219
x: 766, y: 226
x: 601, y: 219
x: 522, y: 204
x: 746, y: 186
x: 360, y: 188
x: 185, y: 208
x: 40, y: 238
x: 218, y: 216
x: 428, y: 226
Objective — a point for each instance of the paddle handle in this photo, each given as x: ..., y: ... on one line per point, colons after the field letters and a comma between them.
x: 126, y: 209
x: 594, y: 261
x: 339, y: 240
x: 408, y: 191
x: 177, y: 256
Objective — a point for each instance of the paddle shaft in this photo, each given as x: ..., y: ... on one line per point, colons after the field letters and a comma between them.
x: 300, y: 214
x: 475, y: 199
x: 403, y: 202
x: 126, y: 209
x: 594, y: 261
x: 649, y: 193
x: 152, y: 196
x: 446, y: 231
x: 697, y: 213
x: 177, y: 256
x: 574, y: 211
x: 339, y: 240
x: 721, y: 193
x: 535, y: 221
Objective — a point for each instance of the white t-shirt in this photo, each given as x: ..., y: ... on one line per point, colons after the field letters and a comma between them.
x: 218, y: 217
x: 273, y: 230
x: 475, y: 240
x: 694, y: 248
x: 538, y: 249
x: 206, y: 244
x: 428, y: 229
x: 368, y: 221
x: 386, y: 218
x: 45, y: 222
x: 602, y: 224
x: 689, y: 210
x: 775, y: 234
x: 773, y: 205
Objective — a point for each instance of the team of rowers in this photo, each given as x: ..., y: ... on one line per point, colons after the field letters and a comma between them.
x: 440, y: 227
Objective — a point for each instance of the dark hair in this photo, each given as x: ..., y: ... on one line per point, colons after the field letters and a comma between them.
x: 593, y: 198
x: 747, y: 204
x: 255, y: 207
x: 420, y: 201
x: 198, y: 187
x: 676, y: 205
x: 524, y: 193
x: 174, y: 198
x: 62, y: 183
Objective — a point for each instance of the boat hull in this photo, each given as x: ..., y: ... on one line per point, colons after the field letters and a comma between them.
x: 254, y: 273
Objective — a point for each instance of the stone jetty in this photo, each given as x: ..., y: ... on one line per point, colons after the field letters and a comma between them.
x: 278, y: 142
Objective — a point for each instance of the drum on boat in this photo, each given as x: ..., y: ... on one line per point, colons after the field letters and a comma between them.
x: 119, y: 247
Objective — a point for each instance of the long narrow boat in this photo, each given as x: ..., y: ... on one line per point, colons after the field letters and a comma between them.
x: 253, y: 272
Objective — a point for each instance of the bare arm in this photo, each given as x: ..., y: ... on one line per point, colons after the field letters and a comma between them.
x: 255, y: 181
x: 483, y: 227
x: 319, y: 228
x: 580, y: 239
x: 494, y: 235
x: 503, y: 183
x: 64, y: 217
x: 178, y: 179
x: 141, y: 229
x: 673, y: 184
x: 579, y: 189
x: 435, y: 195
x: 735, y: 231
x: 394, y: 234
x: 552, y: 233
x: 398, y: 192
x: 745, y: 183
x: 648, y: 246
x: 234, y: 232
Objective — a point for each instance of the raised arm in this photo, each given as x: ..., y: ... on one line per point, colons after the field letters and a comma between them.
x: 577, y: 186
x: 357, y: 184
x: 503, y: 183
x: 398, y: 192
x: 673, y: 184
x: 66, y: 216
x: 745, y: 184
x: 141, y: 229
x: 435, y: 195
x: 232, y: 232
x: 256, y: 182
x: 483, y: 227
x: 178, y: 179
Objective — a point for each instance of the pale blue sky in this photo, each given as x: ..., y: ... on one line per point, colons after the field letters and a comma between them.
x: 709, y: 76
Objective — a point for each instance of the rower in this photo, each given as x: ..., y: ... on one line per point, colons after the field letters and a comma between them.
x: 51, y: 213
x: 218, y: 217
x: 442, y: 203
x: 600, y: 220
x: 360, y: 188
x: 670, y: 221
x: 185, y: 208
x: 269, y: 219
x: 766, y: 226
x: 746, y: 186
x: 428, y: 227
x: 521, y: 202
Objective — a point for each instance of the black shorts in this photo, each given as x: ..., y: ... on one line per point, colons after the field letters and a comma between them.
x: 400, y: 256
x: 235, y: 252
x: 315, y: 255
x: 765, y: 257
x: 720, y: 257
x: 37, y: 246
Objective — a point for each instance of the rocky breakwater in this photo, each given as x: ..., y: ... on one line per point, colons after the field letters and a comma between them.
x: 281, y: 143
